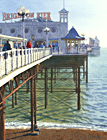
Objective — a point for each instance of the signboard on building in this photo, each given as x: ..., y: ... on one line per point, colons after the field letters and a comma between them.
x: 9, y: 16
x: 44, y: 15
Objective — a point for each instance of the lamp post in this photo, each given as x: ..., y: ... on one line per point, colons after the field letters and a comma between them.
x: 46, y: 30
x: 23, y: 12
x: 83, y: 36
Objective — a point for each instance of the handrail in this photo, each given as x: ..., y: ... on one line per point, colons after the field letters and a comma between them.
x: 16, y: 58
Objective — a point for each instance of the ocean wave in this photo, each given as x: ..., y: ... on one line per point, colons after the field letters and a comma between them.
x: 49, y: 125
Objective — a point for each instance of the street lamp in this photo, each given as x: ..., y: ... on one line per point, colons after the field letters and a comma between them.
x: 83, y: 36
x: 23, y: 12
x: 46, y: 30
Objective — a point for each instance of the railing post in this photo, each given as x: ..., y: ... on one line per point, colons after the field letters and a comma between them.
x: 5, y: 57
x: 25, y: 53
x: 11, y: 60
x: 28, y: 56
x: 17, y: 58
x: 33, y: 54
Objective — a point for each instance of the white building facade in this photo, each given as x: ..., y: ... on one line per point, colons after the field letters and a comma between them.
x: 34, y: 29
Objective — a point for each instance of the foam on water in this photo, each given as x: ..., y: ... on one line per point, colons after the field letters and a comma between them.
x: 50, y: 125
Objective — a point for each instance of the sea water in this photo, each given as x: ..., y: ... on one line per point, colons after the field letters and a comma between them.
x: 62, y: 110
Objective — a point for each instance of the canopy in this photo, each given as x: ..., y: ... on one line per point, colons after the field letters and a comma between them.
x: 73, y: 35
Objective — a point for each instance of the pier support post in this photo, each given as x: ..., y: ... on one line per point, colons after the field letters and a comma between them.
x: 46, y: 86
x: 16, y: 98
x: 55, y: 75
x: 79, y: 88
x: 51, y: 79
x: 87, y: 69
x: 74, y: 74
x: 2, y: 114
x: 35, y: 102
x: 12, y: 94
x: 84, y: 69
x: 32, y: 126
x: 27, y: 85
x: 76, y: 80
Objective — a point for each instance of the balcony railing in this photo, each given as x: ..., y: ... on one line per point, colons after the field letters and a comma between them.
x: 14, y: 59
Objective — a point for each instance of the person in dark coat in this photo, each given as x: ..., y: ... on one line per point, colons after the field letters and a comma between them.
x: 53, y: 46
x: 8, y: 48
x: 8, y: 45
x: 36, y: 45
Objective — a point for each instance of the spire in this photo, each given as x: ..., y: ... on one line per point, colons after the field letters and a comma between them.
x: 63, y: 4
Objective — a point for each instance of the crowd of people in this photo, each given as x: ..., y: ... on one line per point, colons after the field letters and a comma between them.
x: 42, y: 45
x: 7, y: 46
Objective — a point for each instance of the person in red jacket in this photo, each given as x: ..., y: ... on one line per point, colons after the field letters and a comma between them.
x: 29, y: 45
x: 49, y: 45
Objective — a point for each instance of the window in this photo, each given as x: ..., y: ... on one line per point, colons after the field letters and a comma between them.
x: 39, y: 30
x: 26, y: 30
x: 0, y: 31
x: 53, y: 29
x: 12, y: 31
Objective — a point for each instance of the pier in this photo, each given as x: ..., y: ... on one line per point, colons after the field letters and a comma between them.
x: 22, y: 67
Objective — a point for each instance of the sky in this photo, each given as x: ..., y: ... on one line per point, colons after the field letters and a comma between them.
x: 87, y: 16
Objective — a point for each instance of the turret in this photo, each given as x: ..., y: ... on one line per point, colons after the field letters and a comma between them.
x: 63, y: 15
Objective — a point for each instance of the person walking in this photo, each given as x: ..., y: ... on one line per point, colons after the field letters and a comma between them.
x: 41, y: 45
x: 49, y: 46
x: 8, y: 45
x: 5, y: 48
x: 29, y: 45
x: 36, y: 45
x: 53, y: 47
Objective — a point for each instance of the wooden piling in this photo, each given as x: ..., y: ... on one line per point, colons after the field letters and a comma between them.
x: 55, y: 75
x: 32, y: 126
x: 51, y: 79
x: 46, y: 87
x: 84, y: 69
x: 27, y: 85
x: 2, y: 114
x: 35, y: 105
x: 87, y: 69
x: 76, y: 80
x: 79, y: 88
x: 12, y: 94
x: 16, y: 98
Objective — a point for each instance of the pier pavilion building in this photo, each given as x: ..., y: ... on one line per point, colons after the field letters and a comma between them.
x: 73, y: 40
x: 34, y: 29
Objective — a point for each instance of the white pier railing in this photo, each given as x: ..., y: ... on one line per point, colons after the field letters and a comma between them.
x: 14, y: 59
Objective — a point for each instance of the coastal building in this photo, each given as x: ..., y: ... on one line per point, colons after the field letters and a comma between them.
x: 34, y: 28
